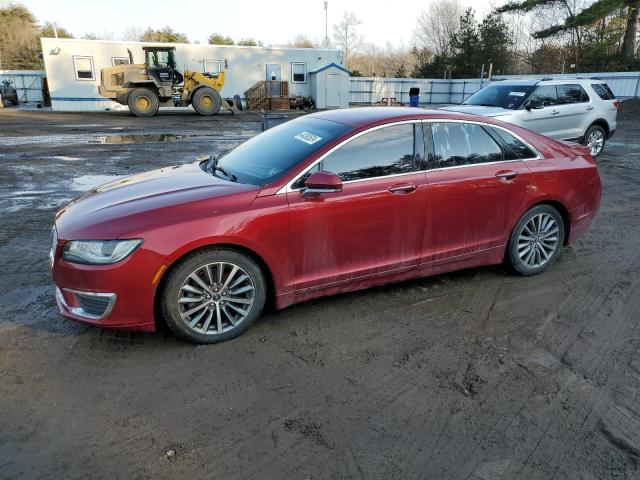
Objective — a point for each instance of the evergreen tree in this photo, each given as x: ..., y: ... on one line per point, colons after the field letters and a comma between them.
x: 466, y: 46
x: 495, y: 42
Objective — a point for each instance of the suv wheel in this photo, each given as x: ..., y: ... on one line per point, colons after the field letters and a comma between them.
x: 594, y: 139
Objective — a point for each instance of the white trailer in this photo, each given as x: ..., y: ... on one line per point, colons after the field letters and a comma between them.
x: 73, y: 68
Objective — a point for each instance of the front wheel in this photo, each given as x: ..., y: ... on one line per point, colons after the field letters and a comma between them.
x: 213, y: 295
x: 535, y: 241
x: 206, y: 101
x: 594, y: 139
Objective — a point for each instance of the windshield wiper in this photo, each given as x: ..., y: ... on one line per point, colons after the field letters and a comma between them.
x: 231, y: 176
x: 212, y: 167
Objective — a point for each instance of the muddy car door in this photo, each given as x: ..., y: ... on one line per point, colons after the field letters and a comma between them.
x: 374, y: 225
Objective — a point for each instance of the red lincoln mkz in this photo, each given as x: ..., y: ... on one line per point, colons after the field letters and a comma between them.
x: 326, y: 203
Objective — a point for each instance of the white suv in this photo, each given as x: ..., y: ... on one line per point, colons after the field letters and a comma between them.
x: 580, y: 110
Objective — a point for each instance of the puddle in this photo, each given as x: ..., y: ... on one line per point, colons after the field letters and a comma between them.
x: 617, y: 143
x: 141, y: 138
x: 87, y: 182
x: 235, y: 136
x: 66, y: 158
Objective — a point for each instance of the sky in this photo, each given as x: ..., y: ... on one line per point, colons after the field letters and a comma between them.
x: 273, y: 22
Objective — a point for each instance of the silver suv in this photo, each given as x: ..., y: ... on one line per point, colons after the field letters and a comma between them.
x: 580, y: 110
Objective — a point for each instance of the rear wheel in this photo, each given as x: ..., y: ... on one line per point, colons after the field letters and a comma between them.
x: 206, y: 101
x: 213, y: 295
x: 143, y: 102
x: 595, y: 139
x: 535, y: 241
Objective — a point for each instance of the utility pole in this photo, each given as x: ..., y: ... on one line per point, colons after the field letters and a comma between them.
x: 326, y: 24
x: 55, y: 30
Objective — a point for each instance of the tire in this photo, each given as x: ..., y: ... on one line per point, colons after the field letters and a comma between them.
x: 595, y: 139
x: 212, y: 317
x: 206, y: 101
x: 143, y: 102
x: 238, y: 101
x: 535, y: 242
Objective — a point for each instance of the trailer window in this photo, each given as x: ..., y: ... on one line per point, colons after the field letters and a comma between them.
x: 299, y: 72
x: 211, y: 66
x: 84, y: 68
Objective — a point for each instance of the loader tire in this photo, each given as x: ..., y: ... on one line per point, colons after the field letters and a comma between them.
x: 206, y: 101
x: 143, y: 102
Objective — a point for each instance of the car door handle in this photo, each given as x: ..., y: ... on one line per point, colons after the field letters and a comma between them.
x: 506, y: 175
x: 554, y: 112
x: 402, y: 188
x: 590, y: 107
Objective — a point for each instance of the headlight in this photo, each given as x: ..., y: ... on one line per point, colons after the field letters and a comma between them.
x: 98, y: 252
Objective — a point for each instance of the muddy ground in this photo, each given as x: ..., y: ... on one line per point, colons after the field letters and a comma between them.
x: 471, y: 375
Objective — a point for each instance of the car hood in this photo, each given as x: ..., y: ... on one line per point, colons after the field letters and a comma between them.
x: 480, y: 110
x: 170, y: 194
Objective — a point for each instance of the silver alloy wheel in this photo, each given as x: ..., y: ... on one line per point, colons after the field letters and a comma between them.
x: 595, y: 142
x: 538, y: 240
x: 216, y: 298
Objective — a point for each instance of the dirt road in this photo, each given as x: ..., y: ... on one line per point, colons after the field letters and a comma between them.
x: 472, y: 375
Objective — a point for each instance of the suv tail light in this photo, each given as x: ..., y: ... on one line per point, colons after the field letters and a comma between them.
x: 616, y: 103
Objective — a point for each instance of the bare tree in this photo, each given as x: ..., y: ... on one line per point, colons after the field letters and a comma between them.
x: 104, y: 35
x: 437, y: 24
x: 302, y: 41
x: 132, y: 34
x: 346, y: 35
x: 389, y: 61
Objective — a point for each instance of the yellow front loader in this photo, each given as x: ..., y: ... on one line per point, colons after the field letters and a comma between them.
x: 146, y: 87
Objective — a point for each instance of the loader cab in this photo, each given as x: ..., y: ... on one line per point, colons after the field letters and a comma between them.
x: 161, y: 65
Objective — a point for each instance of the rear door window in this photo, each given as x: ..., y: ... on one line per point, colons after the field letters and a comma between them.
x: 381, y: 152
x: 514, y: 148
x: 458, y: 144
x: 603, y: 91
x: 571, y: 93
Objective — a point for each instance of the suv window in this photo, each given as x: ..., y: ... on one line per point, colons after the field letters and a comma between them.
x: 571, y: 93
x: 386, y: 151
x: 546, y: 94
x: 603, y: 91
x: 463, y: 144
x: 515, y: 149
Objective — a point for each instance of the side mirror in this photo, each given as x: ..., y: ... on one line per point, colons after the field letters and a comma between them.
x: 534, y: 104
x: 321, y: 182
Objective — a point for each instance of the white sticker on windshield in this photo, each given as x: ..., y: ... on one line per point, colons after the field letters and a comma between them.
x: 307, y: 137
x: 517, y: 94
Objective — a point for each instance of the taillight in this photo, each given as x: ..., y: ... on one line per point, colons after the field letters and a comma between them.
x: 616, y: 104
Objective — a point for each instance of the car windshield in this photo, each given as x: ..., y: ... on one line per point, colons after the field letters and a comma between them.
x: 273, y: 153
x: 501, y: 95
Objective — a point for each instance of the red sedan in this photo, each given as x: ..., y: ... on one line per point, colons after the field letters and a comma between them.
x: 329, y: 202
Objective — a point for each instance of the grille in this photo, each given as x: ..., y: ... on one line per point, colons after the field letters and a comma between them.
x: 118, y: 78
x: 93, y: 305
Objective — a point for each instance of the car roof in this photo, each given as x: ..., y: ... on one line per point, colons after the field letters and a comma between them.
x: 363, y: 116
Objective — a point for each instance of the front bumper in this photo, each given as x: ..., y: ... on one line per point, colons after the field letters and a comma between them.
x: 118, y: 296
x: 107, y: 93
